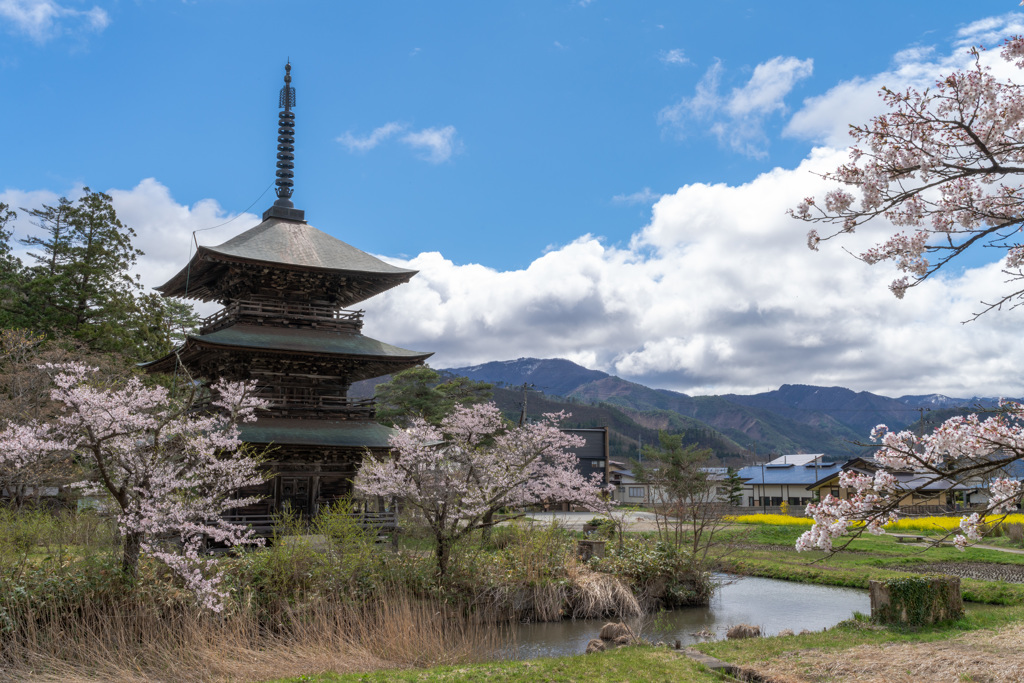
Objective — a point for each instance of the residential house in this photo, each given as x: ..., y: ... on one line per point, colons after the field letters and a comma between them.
x: 786, y: 479
x: 593, y: 454
x: 923, y: 489
x: 631, y: 491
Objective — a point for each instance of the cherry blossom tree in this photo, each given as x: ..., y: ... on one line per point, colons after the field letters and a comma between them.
x: 962, y: 449
x: 170, y: 469
x: 940, y: 166
x: 458, y: 474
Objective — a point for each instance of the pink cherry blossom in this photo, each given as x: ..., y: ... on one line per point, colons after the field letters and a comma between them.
x: 171, y: 470
x: 457, y: 475
x: 942, y: 161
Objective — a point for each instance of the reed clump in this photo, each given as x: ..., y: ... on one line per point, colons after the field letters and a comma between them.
x: 140, y: 640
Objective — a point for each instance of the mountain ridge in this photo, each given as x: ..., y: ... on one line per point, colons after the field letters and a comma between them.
x: 792, y: 418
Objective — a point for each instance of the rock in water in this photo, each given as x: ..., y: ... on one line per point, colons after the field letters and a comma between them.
x: 611, y: 631
x: 743, y: 631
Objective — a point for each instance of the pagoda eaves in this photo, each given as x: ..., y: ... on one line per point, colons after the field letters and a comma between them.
x: 278, y: 253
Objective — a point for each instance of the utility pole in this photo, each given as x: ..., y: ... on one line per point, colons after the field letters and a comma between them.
x: 764, y: 505
x: 522, y: 414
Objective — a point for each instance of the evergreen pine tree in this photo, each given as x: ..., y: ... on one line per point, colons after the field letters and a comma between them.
x: 734, y: 487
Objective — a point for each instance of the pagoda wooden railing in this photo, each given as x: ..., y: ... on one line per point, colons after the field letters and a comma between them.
x: 291, y: 314
x: 336, y: 407
x: 339, y: 407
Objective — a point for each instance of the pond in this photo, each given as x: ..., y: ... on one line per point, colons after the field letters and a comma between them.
x: 769, y: 603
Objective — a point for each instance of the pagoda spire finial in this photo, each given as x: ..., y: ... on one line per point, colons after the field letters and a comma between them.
x: 283, y: 207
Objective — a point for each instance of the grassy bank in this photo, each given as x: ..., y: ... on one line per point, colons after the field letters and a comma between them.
x: 646, y: 664
x: 768, y: 551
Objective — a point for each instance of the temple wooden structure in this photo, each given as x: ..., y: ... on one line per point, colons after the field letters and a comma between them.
x: 286, y: 289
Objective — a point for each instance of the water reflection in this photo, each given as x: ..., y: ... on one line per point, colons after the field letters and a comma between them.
x: 771, y: 604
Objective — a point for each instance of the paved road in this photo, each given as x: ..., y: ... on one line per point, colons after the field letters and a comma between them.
x: 634, y: 521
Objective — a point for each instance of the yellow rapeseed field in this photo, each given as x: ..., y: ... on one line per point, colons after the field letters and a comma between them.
x: 947, y: 523
x: 775, y: 520
x: 942, y: 524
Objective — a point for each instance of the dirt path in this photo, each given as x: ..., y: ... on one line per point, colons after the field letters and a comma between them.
x: 978, y: 657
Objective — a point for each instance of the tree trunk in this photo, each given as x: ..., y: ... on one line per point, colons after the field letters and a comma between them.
x: 130, y: 561
x: 443, y: 552
x: 486, y: 522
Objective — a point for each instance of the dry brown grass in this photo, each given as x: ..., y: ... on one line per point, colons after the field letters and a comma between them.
x: 597, y: 594
x: 977, y: 657
x: 587, y: 595
x: 140, y: 645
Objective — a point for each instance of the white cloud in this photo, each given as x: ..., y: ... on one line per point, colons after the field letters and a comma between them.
x: 676, y: 56
x: 437, y: 144
x: 379, y: 135
x: 768, y: 86
x: 989, y: 31
x: 717, y: 293
x: 825, y: 118
x: 737, y: 119
x: 42, y: 20
x: 644, y: 196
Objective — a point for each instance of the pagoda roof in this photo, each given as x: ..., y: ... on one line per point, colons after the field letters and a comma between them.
x: 329, y: 344
x: 338, y: 433
x: 284, y: 244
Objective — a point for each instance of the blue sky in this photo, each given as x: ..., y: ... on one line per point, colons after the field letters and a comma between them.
x: 603, y: 181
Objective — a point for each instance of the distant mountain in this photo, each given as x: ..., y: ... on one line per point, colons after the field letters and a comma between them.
x: 938, y: 401
x: 795, y: 418
x: 830, y: 407
x: 626, y: 433
x: 555, y: 376
x: 753, y: 427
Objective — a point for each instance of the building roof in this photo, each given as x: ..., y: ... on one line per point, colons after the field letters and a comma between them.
x: 909, y: 481
x: 336, y: 433
x: 331, y: 344
x: 284, y: 244
x: 787, y: 473
x: 797, y: 459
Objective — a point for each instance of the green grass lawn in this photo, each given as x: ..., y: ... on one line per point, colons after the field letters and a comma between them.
x: 625, y: 664
x: 868, y: 557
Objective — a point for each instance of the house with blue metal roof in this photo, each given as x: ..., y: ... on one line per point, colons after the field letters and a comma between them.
x: 786, y: 479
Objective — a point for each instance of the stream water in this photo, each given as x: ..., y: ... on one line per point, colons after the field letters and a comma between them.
x: 771, y: 604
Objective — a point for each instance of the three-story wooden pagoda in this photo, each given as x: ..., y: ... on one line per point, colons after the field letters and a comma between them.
x: 285, y: 287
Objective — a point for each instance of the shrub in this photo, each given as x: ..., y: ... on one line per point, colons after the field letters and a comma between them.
x: 661, y: 574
